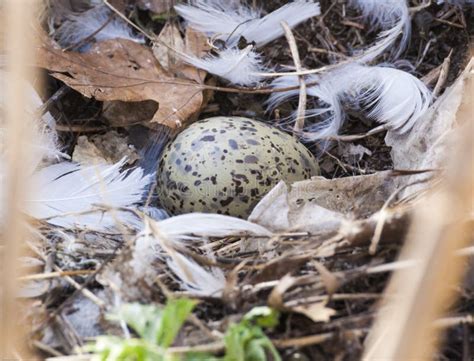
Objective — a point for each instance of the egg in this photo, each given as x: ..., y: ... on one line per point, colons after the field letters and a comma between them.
x: 226, y: 165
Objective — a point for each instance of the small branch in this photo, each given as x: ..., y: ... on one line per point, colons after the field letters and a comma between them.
x: 300, y: 115
x: 58, y: 274
x: 443, y: 75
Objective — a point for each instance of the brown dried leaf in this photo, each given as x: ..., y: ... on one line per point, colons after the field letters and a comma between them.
x: 120, y: 69
x: 171, y: 36
x: 108, y: 148
x: 331, y: 282
x: 317, y: 312
x: 275, y: 299
x: 321, y: 205
x: 193, y: 43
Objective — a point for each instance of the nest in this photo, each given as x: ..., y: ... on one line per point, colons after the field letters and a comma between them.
x: 326, y: 270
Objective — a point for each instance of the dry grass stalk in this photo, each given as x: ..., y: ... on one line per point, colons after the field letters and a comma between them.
x: 300, y: 114
x: 18, y: 17
x: 404, y: 329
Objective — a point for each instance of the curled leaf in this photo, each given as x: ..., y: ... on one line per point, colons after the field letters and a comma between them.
x: 123, y: 70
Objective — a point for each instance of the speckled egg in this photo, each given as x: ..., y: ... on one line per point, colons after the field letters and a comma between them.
x: 225, y: 165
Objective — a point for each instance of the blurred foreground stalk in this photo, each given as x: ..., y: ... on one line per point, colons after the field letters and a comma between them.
x: 417, y: 296
x: 17, y: 21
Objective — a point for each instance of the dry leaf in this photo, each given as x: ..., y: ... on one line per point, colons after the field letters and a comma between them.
x: 317, y: 312
x: 194, y: 43
x: 123, y: 114
x: 275, y: 299
x: 330, y: 281
x: 171, y: 36
x: 86, y: 152
x: 321, y: 205
x: 109, y: 148
x: 123, y: 70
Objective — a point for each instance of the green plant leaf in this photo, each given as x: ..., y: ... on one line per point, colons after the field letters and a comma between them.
x: 156, y: 327
x: 173, y: 316
x: 145, y: 320
x: 109, y: 348
x: 245, y: 342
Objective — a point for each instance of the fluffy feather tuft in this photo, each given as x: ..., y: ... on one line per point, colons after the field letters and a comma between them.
x: 393, y: 17
x: 161, y: 240
x: 229, y: 21
x: 237, y: 66
x: 216, y: 18
x: 389, y: 96
x: 79, y: 26
x: 44, y: 143
x: 69, y: 193
x: 205, y: 281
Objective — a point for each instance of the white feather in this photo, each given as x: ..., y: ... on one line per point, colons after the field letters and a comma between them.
x: 237, y: 66
x: 66, y: 190
x: 393, y: 17
x: 44, y: 141
x: 216, y: 18
x: 206, y: 281
x: 229, y: 22
x: 389, y: 96
x: 197, y: 225
x: 79, y: 26
x: 456, y: 2
x: 159, y: 240
x: 152, y: 245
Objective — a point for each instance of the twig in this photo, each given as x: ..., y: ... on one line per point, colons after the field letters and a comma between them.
x: 300, y: 114
x: 58, y: 274
x: 454, y: 321
x: 351, y: 138
x: 443, y: 75
x: 314, y: 340
x: 46, y: 348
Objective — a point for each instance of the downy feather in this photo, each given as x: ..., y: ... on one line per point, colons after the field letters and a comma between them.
x: 200, y: 280
x: 152, y: 245
x: 230, y: 21
x: 217, y: 18
x: 456, y: 2
x: 237, y: 66
x: 65, y: 190
x: 44, y: 142
x: 79, y: 26
x: 390, y: 96
x: 393, y: 18
x: 159, y: 239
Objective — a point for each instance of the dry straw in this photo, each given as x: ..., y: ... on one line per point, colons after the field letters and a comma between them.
x: 417, y: 297
x: 17, y: 19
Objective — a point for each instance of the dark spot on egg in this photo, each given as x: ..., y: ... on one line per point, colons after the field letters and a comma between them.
x: 233, y: 144
x: 251, y: 159
x: 208, y: 138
